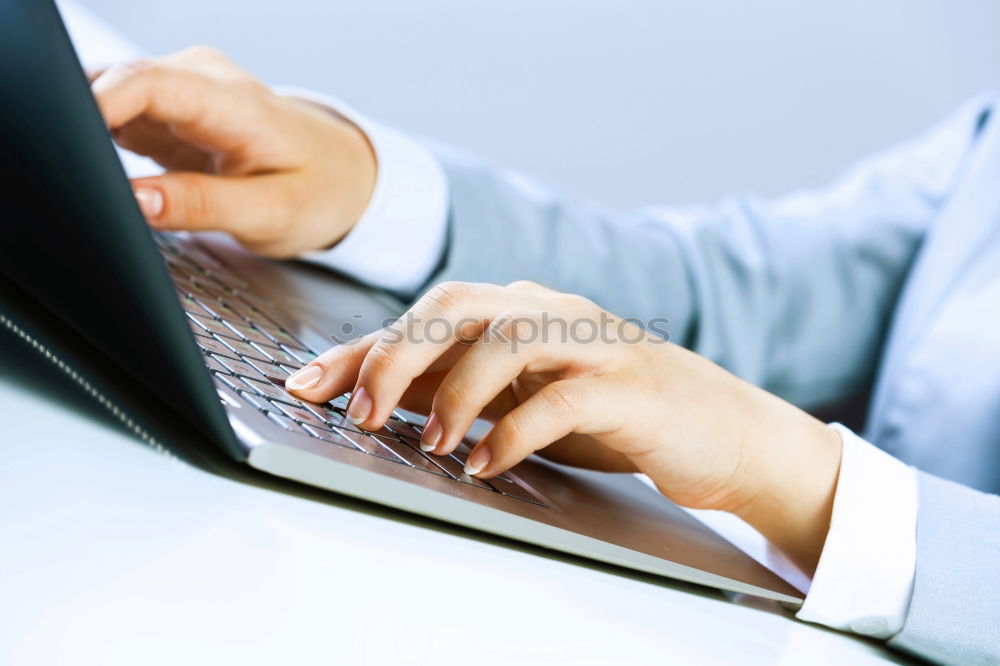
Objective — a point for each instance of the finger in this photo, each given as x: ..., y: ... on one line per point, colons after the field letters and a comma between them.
x: 347, y: 359
x: 333, y: 372
x: 252, y: 208
x: 449, y: 313
x: 201, y: 111
x: 587, y: 452
x: 556, y: 410
x: 154, y: 140
x: 419, y: 398
x: 528, y: 285
x: 93, y: 73
x: 515, y: 343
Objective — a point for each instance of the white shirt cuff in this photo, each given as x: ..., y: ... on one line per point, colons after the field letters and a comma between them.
x: 400, y: 238
x: 865, y: 575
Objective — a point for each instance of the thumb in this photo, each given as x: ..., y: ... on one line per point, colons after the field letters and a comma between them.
x: 248, y: 207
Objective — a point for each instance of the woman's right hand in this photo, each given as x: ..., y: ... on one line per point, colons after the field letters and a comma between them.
x: 280, y: 174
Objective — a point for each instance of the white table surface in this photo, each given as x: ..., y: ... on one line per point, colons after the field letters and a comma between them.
x: 111, y: 554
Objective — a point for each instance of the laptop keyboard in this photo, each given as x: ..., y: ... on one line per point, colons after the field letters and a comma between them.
x: 251, y: 354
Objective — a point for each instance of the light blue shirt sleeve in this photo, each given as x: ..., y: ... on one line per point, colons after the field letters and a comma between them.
x: 769, y: 289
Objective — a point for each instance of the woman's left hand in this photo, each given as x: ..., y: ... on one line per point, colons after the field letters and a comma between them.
x: 559, y: 376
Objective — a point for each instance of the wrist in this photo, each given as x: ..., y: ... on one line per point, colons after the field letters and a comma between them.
x: 355, y: 171
x: 346, y: 169
x: 793, y: 467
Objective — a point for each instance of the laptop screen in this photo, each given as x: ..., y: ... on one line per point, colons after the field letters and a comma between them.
x: 73, y: 236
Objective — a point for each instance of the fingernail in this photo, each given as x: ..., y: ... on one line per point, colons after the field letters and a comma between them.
x: 150, y: 201
x: 432, y: 433
x: 477, y: 461
x: 304, y: 378
x: 359, y: 407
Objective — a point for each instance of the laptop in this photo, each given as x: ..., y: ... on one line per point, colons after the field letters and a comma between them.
x: 187, y: 340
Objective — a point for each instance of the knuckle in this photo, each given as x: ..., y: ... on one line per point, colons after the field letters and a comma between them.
x: 562, y: 398
x: 153, y: 69
x: 450, y: 395
x: 201, y: 52
x: 504, y: 322
x: 446, y: 295
x: 513, y: 323
x: 513, y: 428
x: 380, y: 357
x: 132, y: 68
x: 197, y: 199
x: 579, y: 303
x: 523, y: 285
x: 129, y: 73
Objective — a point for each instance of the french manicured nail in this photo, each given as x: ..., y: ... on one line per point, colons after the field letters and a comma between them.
x: 150, y: 201
x: 360, y: 406
x: 304, y: 378
x: 477, y: 461
x: 432, y: 433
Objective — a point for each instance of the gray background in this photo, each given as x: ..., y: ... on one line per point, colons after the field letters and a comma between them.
x: 625, y: 102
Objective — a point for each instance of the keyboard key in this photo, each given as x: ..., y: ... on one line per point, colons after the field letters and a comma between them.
x: 226, y: 279
x: 270, y: 391
x: 247, y: 311
x: 200, y: 289
x: 319, y: 411
x: 300, y: 414
x: 454, y: 468
x: 214, y: 285
x: 340, y: 402
x: 372, y: 446
x: 301, y: 356
x: 180, y: 265
x: 208, y: 307
x: 223, y: 310
x: 339, y: 419
x: 409, y: 417
x: 210, y: 325
x: 254, y: 400
x: 197, y: 256
x: 214, y: 365
x: 226, y: 380
x: 330, y: 436
x: 265, y: 368
x: 280, y: 372
x: 255, y: 299
x: 190, y: 304
x: 239, y: 367
x: 275, y: 354
x: 214, y: 346
x: 403, y: 429
x: 279, y: 335
x: 462, y: 454
x: 282, y: 421
x: 509, y: 487
x: 245, y: 331
x: 198, y: 323
x: 243, y: 349
x: 411, y: 455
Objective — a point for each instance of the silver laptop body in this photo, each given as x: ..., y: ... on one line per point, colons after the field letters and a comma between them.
x: 210, y: 332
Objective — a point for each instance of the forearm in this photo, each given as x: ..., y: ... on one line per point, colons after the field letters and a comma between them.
x: 792, y: 463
